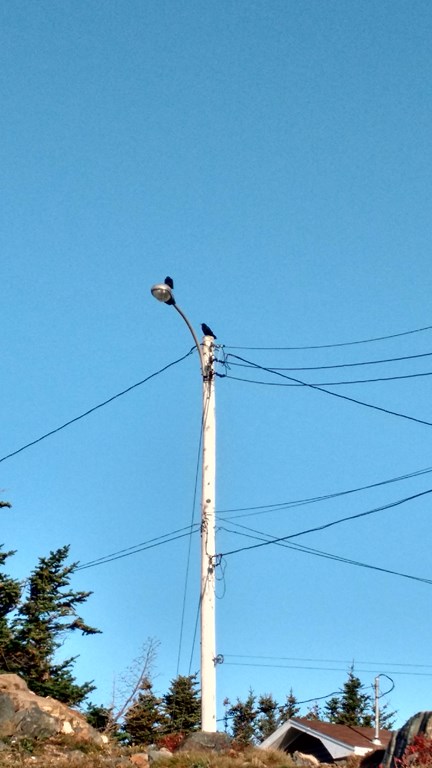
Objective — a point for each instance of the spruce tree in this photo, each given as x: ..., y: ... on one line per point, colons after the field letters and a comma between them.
x: 100, y: 717
x: 290, y: 708
x: 144, y: 720
x: 268, y: 717
x: 33, y: 623
x: 10, y: 595
x: 353, y: 707
x: 243, y: 719
x: 314, y: 712
x: 387, y: 717
x: 181, y: 705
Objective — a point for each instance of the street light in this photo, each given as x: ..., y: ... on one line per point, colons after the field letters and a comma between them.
x: 164, y: 293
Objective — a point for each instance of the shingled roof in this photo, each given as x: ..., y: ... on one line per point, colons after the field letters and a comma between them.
x: 326, y: 741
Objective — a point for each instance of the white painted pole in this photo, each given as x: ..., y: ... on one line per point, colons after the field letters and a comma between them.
x: 208, y: 552
x: 163, y: 292
x: 376, y: 740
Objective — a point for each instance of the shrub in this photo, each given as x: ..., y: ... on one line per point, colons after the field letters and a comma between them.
x: 417, y: 753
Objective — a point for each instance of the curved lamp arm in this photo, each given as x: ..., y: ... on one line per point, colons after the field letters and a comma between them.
x: 162, y: 292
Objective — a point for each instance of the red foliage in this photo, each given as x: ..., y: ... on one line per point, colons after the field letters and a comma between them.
x: 171, y: 741
x: 418, y: 753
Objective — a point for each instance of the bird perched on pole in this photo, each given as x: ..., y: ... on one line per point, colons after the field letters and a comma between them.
x: 207, y: 331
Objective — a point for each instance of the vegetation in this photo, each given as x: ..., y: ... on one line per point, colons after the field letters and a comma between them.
x: 252, y: 720
x: 151, y: 718
x: 35, y: 616
x: 144, y: 720
x: 354, y: 706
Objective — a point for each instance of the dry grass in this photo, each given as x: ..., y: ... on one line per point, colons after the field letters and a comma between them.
x: 233, y: 758
x: 60, y: 754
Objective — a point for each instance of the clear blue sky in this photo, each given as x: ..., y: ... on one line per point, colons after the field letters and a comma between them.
x: 275, y: 158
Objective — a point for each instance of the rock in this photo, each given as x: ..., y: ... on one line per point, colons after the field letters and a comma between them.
x: 158, y: 754
x: 421, y: 723
x: 24, y: 714
x: 201, y: 741
x: 309, y: 761
x: 140, y: 759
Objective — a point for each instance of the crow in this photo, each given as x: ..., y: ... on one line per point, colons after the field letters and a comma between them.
x: 169, y: 282
x: 207, y: 331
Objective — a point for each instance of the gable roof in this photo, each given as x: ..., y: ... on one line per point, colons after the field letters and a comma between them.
x: 351, y: 735
x: 337, y: 741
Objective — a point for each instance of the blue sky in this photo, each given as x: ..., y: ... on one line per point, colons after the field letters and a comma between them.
x: 275, y: 158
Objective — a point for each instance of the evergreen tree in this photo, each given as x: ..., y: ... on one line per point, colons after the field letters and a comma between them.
x: 181, y: 705
x: 243, y: 714
x: 144, y: 720
x: 33, y: 623
x: 353, y: 707
x: 332, y: 709
x: 99, y: 717
x: 314, y: 712
x: 386, y: 718
x: 10, y: 595
x: 268, y: 717
x: 290, y: 708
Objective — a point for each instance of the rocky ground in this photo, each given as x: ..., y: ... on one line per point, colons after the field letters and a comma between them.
x: 60, y: 752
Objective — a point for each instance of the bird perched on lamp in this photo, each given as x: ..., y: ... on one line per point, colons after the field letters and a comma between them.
x: 170, y: 283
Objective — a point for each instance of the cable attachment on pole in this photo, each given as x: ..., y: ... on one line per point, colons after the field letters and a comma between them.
x: 219, y: 659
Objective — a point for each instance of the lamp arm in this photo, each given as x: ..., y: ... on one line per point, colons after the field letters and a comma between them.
x: 194, y: 336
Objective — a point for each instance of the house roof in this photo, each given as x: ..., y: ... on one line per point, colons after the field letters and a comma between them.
x: 351, y: 735
x: 336, y: 740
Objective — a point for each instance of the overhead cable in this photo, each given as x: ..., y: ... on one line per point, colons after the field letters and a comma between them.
x: 340, y: 344
x: 335, y: 394
x: 324, y: 526
x: 325, y: 383
x: 341, y: 365
x: 319, y: 669
x: 96, y: 407
x: 186, y: 579
x: 323, y: 661
x: 328, y: 555
x: 313, y: 499
x: 158, y: 541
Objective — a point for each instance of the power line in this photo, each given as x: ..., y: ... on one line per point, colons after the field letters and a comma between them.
x: 150, y: 544
x: 330, y: 524
x: 324, y: 383
x: 342, y: 365
x: 311, y: 500
x: 324, y: 661
x: 320, y: 669
x: 336, y: 394
x: 96, y: 407
x: 340, y: 344
x: 189, y: 546
x: 328, y: 555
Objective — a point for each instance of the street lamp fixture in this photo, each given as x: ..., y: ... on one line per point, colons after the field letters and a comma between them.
x: 164, y: 292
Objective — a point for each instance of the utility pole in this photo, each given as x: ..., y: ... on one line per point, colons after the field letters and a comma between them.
x: 376, y: 739
x: 208, y: 544
x: 164, y: 292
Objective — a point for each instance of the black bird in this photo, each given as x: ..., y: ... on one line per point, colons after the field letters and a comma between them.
x: 207, y: 331
x: 169, y: 282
